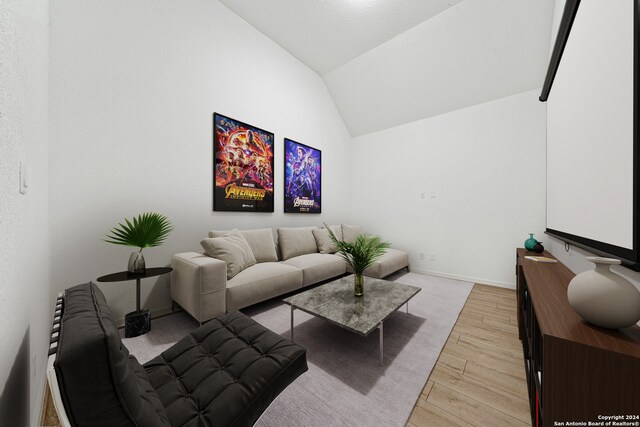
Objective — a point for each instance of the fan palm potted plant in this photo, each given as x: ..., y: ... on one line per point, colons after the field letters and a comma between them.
x: 360, y: 254
x: 147, y: 230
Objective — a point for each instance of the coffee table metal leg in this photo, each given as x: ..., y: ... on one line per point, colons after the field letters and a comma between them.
x: 291, y: 336
x: 381, y: 344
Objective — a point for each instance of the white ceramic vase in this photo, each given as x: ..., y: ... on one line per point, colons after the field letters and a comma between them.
x: 603, y: 297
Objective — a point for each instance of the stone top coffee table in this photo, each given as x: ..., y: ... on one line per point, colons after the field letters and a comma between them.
x: 336, y: 303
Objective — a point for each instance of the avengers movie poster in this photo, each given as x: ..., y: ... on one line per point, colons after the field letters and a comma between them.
x: 302, y: 172
x: 242, y: 166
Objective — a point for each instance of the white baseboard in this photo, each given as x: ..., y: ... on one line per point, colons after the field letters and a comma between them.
x: 465, y: 278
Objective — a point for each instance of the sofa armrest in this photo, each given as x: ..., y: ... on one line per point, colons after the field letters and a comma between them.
x: 198, y: 284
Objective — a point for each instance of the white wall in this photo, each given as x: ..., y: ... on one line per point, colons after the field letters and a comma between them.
x: 484, y: 165
x: 24, y: 251
x: 133, y: 89
x: 558, y: 8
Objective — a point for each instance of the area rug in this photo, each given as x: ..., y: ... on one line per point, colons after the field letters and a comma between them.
x: 345, y: 384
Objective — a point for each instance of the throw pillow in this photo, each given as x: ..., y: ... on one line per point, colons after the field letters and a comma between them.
x: 324, y: 242
x: 260, y: 241
x: 337, y: 230
x: 233, y: 249
x: 296, y: 241
x: 351, y: 232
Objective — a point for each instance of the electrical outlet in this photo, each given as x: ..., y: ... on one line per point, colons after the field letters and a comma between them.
x: 432, y: 256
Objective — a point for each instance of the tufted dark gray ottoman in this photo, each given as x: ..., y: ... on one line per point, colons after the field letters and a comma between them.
x: 225, y: 373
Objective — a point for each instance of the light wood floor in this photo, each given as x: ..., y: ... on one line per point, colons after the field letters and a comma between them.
x: 479, y: 379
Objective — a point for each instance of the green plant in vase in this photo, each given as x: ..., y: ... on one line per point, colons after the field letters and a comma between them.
x: 359, y: 255
x: 145, y: 231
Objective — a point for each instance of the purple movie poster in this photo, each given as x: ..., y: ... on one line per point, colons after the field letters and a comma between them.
x: 302, y: 178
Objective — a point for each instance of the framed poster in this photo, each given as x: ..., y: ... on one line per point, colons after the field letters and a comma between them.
x: 302, y: 178
x: 242, y: 166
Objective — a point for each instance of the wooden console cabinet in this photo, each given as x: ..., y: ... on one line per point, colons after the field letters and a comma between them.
x: 576, y: 372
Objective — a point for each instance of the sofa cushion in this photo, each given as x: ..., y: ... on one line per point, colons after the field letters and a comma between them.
x: 337, y: 230
x: 323, y: 240
x: 391, y: 261
x: 296, y: 241
x: 260, y: 241
x: 225, y: 373
x: 351, y: 232
x: 100, y: 383
x: 318, y: 267
x: 261, y: 282
x: 233, y: 249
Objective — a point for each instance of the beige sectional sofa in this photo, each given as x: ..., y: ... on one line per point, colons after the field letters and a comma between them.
x: 206, y: 286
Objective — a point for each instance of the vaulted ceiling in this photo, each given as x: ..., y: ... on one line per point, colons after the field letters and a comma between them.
x: 325, y: 34
x: 390, y: 62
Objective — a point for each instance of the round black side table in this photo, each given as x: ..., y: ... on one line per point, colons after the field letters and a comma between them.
x: 137, y: 322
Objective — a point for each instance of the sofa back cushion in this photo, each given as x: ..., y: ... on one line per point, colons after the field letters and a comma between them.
x: 233, y: 249
x: 296, y: 241
x: 260, y: 241
x: 351, y: 232
x: 337, y: 230
x: 100, y: 383
x: 323, y: 240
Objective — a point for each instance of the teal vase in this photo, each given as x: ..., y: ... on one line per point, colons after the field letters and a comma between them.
x: 530, y: 242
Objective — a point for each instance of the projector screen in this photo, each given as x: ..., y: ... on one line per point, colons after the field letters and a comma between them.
x: 590, y: 132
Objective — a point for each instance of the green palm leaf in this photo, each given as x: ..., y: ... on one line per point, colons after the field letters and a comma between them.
x: 147, y: 230
x: 360, y: 254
